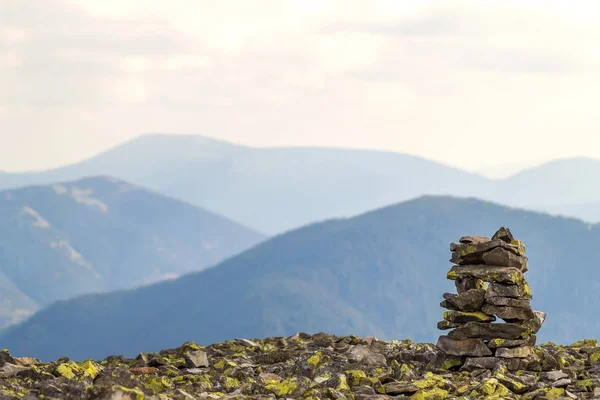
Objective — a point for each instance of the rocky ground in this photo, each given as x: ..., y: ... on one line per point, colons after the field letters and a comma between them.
x: 304, y: 366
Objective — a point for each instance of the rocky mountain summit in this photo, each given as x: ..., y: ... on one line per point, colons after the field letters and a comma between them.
x: 320, y: 366
x: 489, y: 278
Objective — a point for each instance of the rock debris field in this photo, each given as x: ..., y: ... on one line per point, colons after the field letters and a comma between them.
x: 489, y: 352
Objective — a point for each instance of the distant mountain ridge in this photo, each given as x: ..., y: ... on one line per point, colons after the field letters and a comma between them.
x: 381, y: 273
x: 268, y: 189
x: 99, y: 234
x: 276, y: 189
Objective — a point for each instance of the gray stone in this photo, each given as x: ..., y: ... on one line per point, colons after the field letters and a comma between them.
x: 8, y: 370
x: 5, y: 357
x: 562, y: 383
x: 470, y: 300
x: 118, y: 394
x: 370, y: 339
x: 508, y: 302
x: 536, y: 323
x: 141, y: 360
x: 547, y: 361
x: 448, y: 306
x: 183, y: 394
x: 503, y: 257
x: 570, y: 395
x: 508, y: 313
x: 364, y: 389
x: 466, y: 283
x: 503, y: 234
x: 514, y: 352
x: 396, y: 388
x: 196, y: 371
x: 490, y: 363
x: 196, y: 359
x: 472, y: 252
x: 474, y: 239
x: 497, y: 343
x: 365, y: 355
x: 520, y: 291
x: 443, y: 325
x: 514, y: 383
x: 247, y: 343
x: 488, y: 273
x: 466, y: 347
x: 554, y: 375
x: 464, y: 317
x: 489, y: 331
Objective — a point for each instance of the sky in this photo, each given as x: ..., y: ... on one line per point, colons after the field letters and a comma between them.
x: 487, y: 86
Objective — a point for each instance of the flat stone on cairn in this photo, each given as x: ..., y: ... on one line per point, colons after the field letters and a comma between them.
x: 475, y: 333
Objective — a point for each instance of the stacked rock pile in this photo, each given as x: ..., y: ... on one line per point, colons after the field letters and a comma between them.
x: 490, y: 284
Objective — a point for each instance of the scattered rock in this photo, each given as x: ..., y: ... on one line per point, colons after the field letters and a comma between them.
x: 554, y: 375
x: 514, y: 352
x: 370, y: 339
x: 584, y: 343
x: 364, y: 355
x: 513, y: 383
x: 403, y: 369
x: 397, y: 388
x: 466, y: 347
x: 487, y: 363
x: 562, y: 383
x: 247, y: 343
x: 196, y: 359
x: 8, y: 370
x: 5, y: 357
x: 143, y: 370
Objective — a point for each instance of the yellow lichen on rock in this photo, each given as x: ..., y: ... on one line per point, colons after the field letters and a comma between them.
x: 90, y: 369
x: 315, y: 359
x: 231, y: 383
x: 283, y: 388
x: 356, y: 375
x: 158, y: 384
x: 432, y: 394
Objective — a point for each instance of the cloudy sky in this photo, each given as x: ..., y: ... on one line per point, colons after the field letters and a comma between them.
x: 482, y: 85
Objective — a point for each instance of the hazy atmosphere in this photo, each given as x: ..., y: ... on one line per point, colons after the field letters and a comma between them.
x: 299, y: 200
x: 78, y: 77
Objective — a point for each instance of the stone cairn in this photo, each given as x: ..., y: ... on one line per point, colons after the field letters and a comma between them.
x: 475, y: 338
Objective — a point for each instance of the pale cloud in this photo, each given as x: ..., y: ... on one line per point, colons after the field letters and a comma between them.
x: 432, y: 78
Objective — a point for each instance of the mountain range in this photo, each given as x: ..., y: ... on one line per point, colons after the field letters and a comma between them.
x: 273, y: 190
x: 101, y: 234
x: 382, y: 273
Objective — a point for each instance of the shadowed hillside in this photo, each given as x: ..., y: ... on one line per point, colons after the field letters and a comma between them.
x: 101, y: 234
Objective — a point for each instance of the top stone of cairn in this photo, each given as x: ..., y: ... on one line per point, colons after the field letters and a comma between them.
x: 502, y: 250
